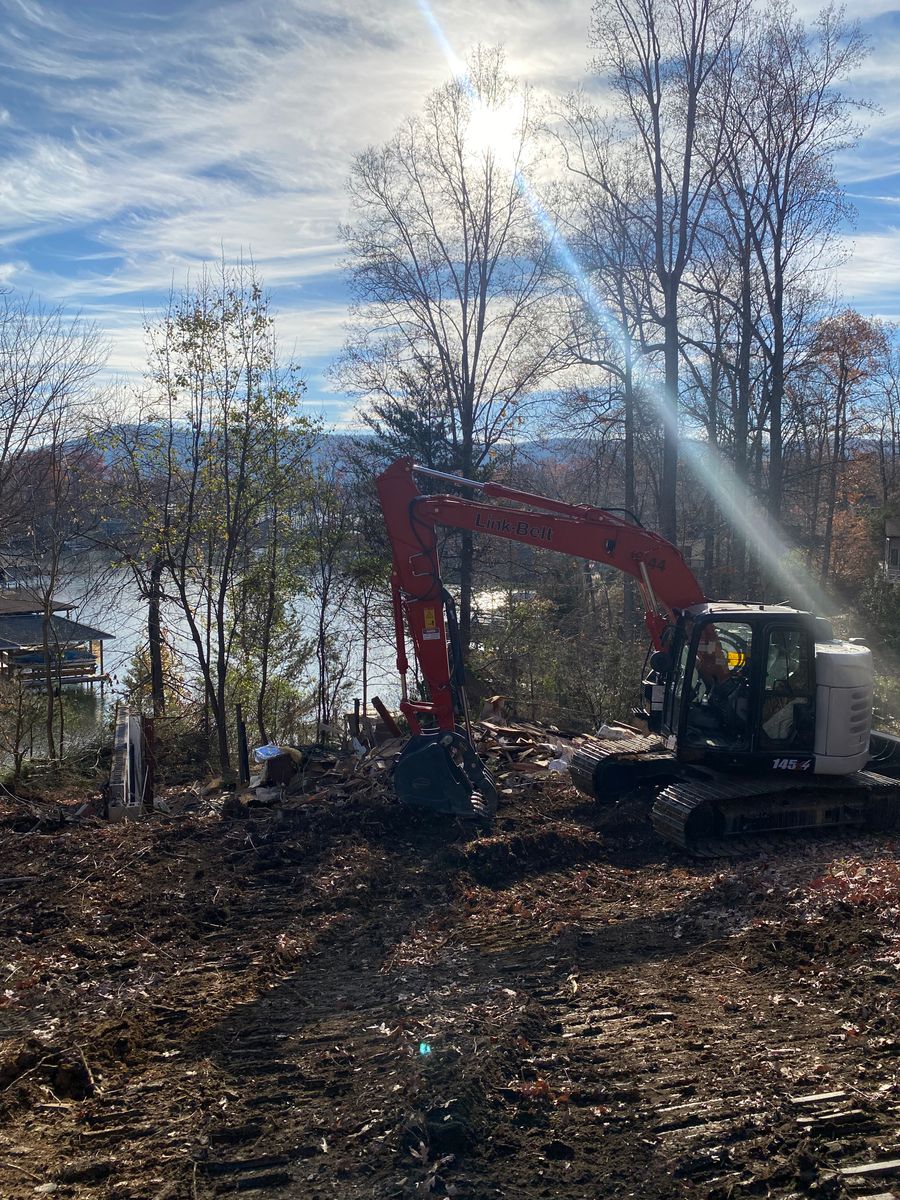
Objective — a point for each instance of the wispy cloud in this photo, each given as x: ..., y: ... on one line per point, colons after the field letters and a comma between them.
x: 135, y: 144
x: 172, y: 136
x: 869, y: 275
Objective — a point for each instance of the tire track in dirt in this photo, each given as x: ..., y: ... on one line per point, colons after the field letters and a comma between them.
x: 374, y: 1005
x: 662, y: 1073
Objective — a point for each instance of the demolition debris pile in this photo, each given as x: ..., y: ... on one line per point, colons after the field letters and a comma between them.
x: 290, y: 779
x: 329, y: 994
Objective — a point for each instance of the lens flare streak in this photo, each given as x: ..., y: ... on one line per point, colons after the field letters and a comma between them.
x: 732, y: 497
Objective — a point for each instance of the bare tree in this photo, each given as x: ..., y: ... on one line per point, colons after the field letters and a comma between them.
x: 849, y: 351
x: 883, y: 424
x: 331, y: 532
x: 47, y: 365
x: 60, y: 496
x: 49, y: 473
x: 20, y: 720
x: 786, y: 119
x: 228, y: 430
x: 661, y: 60
x: 609, y: 296
x: 447, y: 268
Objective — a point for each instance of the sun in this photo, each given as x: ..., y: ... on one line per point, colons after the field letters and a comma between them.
x: 495, y: 131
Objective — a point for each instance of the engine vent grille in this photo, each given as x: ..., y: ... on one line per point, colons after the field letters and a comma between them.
x: 860, y: 710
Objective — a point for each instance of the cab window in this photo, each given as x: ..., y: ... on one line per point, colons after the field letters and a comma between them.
x: 718, y: 692
x: 788, y: 703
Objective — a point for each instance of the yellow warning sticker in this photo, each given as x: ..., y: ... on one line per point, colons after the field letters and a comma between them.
x: 430, y: 632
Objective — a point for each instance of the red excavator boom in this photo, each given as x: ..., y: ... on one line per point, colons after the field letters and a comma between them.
x: 612, y: 539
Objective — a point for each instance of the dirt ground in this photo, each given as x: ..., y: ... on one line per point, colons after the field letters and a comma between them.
x: 365, y: 1002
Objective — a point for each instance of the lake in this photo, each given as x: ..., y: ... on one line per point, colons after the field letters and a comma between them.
x: 107, y: 598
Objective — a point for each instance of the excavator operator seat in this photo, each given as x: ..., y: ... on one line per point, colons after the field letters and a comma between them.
x: 717, y: 693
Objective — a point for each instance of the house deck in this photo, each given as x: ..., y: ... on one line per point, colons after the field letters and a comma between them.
x: 76, y: 650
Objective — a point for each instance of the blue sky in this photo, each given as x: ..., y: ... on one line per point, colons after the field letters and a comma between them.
x: 139, y: 138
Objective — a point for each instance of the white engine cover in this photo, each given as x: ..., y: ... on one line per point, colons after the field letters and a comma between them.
x: 845, y: 680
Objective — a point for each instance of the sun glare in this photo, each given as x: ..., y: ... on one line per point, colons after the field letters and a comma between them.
x: 496, y: 132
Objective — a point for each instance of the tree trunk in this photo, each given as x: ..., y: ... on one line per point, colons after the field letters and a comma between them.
x: 712, y: 430
x: 668, y: 516
x: 265, y: 648
x: 776, y: 449
x: 322, y: 660
x: 629, y: 605
x: 742, y: 424
x: 154, y: 640
x: 466, y: 560
x: 220, y: 714
x: 840, y: 408
x: 776, y: 381
x: 366, y: 599
x: 48, y: 680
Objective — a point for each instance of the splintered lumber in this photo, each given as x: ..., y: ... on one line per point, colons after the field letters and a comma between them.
x: 817, y: 1098
x: 888, y: 1166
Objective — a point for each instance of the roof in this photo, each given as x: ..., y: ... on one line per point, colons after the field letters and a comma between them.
x: 892, y: 527
x: 19, y: 631
x: 740, y: 608
x: 27, y: 600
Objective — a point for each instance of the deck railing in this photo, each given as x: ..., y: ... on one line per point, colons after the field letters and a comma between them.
x: 69, y: 667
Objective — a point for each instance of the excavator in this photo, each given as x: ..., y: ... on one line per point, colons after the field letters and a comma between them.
x: 758, y: 720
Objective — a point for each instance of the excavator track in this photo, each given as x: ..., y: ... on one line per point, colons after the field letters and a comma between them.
x: 712, y: 815
x: 605, y: 768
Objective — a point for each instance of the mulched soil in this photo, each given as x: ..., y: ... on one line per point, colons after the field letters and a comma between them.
x: 358, y: 1001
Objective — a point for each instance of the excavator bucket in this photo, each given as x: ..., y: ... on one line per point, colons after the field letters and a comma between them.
x: 440, y: 771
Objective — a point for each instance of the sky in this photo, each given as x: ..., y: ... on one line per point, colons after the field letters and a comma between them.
x: 142, y: 138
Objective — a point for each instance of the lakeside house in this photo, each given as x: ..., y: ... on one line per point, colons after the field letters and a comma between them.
x: 891, y: 562
x: 76, y: 650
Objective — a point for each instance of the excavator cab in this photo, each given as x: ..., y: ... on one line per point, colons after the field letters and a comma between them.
x: 740, y: 686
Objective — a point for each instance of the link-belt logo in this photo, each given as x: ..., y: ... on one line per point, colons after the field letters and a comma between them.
x: 513, y: 528
x: 792, y: 764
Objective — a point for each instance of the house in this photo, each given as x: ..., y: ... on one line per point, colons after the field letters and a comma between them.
x: 891, y: 563
x: 76, y: 650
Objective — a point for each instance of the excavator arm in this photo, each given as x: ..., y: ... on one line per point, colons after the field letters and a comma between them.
x: 424, y: 607
x: 664, y: 579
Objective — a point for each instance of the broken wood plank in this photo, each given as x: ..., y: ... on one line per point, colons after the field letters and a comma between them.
x: 850, y: 1116
x: 889, y: 1166
x: 817, y: 1097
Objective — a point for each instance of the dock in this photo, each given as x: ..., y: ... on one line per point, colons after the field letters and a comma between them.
x: 76, y: 650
